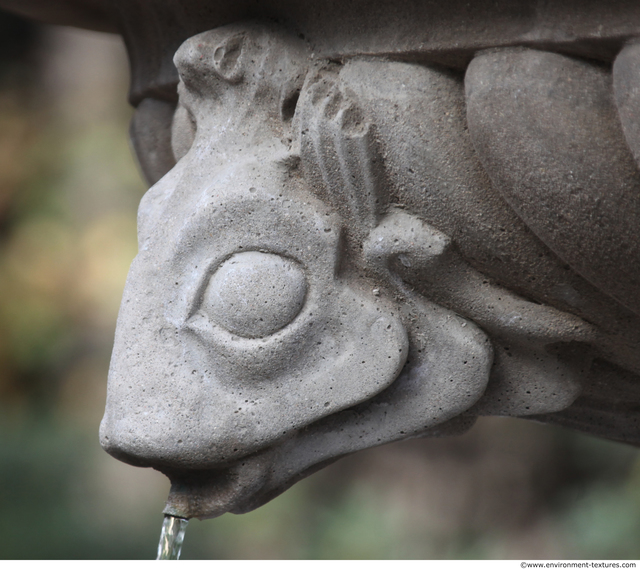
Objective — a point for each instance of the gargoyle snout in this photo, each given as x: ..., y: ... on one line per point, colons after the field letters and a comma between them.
x: 233, y: 346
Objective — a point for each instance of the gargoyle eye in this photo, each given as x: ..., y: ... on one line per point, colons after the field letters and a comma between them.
x: 255, y: 294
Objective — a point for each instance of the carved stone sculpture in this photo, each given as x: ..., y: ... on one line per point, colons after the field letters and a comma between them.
x: 358, y: 236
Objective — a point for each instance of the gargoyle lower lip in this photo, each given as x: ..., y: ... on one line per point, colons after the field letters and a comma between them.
x: 255, y: 480
x: 206, y: 494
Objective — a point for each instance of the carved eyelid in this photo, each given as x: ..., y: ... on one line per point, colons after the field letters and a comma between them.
x: 289, y: 294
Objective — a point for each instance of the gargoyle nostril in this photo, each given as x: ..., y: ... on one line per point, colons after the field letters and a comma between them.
x: 255, y: 294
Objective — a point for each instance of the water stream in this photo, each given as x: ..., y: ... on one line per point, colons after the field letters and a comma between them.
x: 171, y: 537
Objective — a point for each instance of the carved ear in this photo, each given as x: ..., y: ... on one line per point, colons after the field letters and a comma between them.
x: 227, y: 58
x: 203, y: 60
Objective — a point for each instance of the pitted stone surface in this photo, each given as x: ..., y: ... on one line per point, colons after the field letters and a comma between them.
x: 332, y: 285
x: 373, y: 223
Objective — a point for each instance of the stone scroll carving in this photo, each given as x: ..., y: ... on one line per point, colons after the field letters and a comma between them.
x: 352, y: 252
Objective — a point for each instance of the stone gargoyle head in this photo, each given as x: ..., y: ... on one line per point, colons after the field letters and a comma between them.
x: 326, y: 269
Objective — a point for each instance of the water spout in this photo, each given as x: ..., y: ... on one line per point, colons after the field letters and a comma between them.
x: 171, y: 538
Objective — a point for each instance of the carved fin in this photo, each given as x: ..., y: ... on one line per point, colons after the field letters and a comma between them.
x: 339, y: 150
x: 551, y: 363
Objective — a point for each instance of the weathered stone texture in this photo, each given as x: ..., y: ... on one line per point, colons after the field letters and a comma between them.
x: 371, y: 221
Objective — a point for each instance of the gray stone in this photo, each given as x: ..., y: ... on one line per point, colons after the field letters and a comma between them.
x: 546, y: 130
x: 370, y: 221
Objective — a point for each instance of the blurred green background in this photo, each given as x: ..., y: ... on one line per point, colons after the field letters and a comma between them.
x: 69, y: 189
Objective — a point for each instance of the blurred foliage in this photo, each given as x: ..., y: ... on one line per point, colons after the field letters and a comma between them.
x: 68, y: 195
